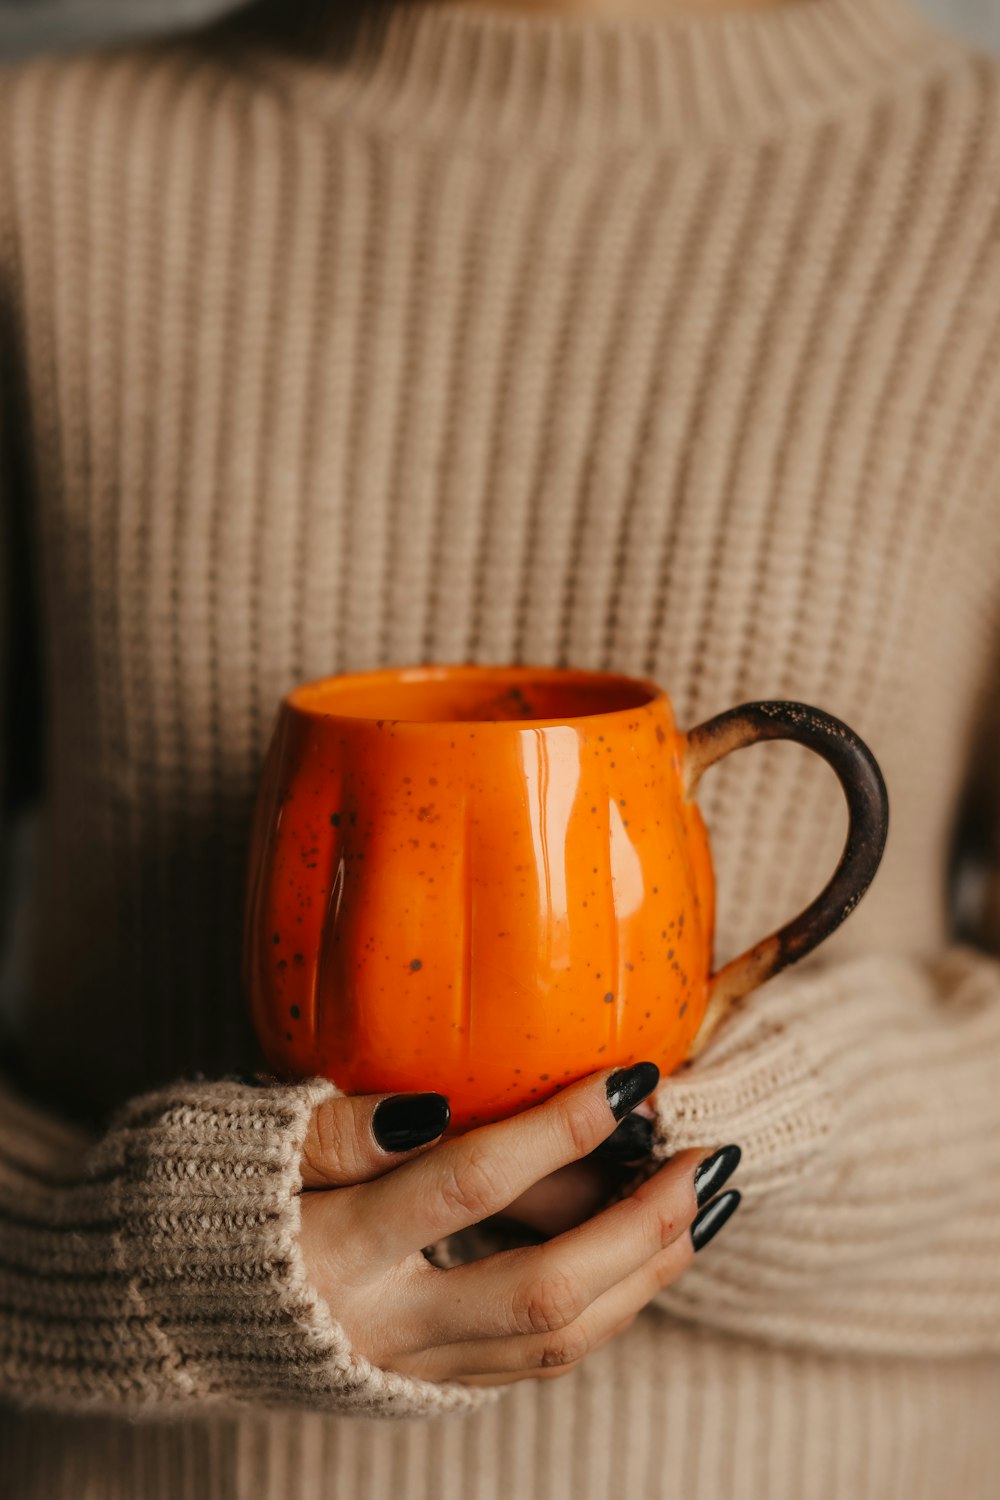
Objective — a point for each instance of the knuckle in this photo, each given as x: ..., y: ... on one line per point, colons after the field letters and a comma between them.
x: 473, y: 1186
x: 564, y: 1349
x: 549, y: 1304
x: 324, y: 1146
x: 666, y: 1217
x: 667, y: 1225
x: 580, y: 1129
x: 584, y: 1122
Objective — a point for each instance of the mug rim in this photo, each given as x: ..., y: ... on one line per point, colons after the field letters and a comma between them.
x: 297, y: 699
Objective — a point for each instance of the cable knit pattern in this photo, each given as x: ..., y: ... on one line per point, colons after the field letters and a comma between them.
x: 667, y: 346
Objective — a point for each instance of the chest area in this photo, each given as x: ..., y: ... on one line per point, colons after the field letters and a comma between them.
x: 370, y: 408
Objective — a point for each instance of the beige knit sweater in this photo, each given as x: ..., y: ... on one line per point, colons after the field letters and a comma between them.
x: 668, y: 346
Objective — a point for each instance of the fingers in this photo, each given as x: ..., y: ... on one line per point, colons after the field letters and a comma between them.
x: 565, y: 1199
x: 576, y: 1192
x: 544, y: 1289
x: 561, y: 1349
x: 356, y: 1140
x: 480, y: 1174
x: 630, y: 1143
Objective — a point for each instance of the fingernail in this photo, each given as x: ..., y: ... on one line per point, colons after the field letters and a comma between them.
x: 629, y: 1086
x: 631, y: 1141
x: 714, y: 1172
x: 409, y: 1120
x: 712, y: 1217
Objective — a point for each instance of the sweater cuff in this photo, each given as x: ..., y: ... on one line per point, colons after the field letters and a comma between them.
x: 205, y: 1182
x: 761, y: 1087
x: 865, y: 1097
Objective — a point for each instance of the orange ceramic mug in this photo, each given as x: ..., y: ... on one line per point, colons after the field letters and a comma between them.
x: 491, y: 881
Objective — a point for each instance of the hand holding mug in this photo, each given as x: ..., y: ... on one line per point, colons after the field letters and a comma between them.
x: 373, y: 1199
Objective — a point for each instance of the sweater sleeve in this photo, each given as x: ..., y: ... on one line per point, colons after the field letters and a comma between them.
x: 866, y: 1097
x: 158, y: 1268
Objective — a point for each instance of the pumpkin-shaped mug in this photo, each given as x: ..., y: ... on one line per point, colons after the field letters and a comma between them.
x: 491, y: 881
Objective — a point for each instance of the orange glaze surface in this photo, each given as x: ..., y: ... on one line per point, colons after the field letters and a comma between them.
x: 491, y: 889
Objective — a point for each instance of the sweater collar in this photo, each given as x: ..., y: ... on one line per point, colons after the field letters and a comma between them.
x: 448, y: 69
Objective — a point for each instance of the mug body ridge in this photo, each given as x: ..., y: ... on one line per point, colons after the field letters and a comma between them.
x: 485, y: 881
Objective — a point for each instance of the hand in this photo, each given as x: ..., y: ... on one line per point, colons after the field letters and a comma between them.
x: 576, y: 1192
x: 520, y: 1314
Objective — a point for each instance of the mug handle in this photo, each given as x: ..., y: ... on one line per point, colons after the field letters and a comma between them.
x: 868, y: 809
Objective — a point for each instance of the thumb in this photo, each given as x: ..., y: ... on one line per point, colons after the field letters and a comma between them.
x: 352, y: 1140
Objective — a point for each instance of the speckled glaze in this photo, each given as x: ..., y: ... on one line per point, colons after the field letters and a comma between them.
x: 482, y: 881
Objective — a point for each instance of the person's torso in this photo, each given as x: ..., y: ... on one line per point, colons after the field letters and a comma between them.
x: 305, y: 398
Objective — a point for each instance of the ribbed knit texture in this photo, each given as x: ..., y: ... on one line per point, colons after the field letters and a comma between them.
x: 669, y: 347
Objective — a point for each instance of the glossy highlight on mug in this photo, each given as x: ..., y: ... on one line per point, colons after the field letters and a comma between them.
x: 455, y: 896
x: 486, y: 882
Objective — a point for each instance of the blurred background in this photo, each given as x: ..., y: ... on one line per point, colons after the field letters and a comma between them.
x: 32, y: 25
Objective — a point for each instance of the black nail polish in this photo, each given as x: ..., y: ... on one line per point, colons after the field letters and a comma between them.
x: 409, y: 1120
x: 712, y: 1217
x: 631, y: 1141
x: 714, y: 1172
x: 629, y: 1086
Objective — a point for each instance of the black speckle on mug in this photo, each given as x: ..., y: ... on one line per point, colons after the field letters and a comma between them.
x: 416, y: 964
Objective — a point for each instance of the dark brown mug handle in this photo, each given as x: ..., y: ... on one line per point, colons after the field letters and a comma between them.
x: 868, y: 810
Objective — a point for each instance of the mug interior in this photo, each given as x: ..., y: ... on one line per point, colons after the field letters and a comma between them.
x: 450, y: 695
